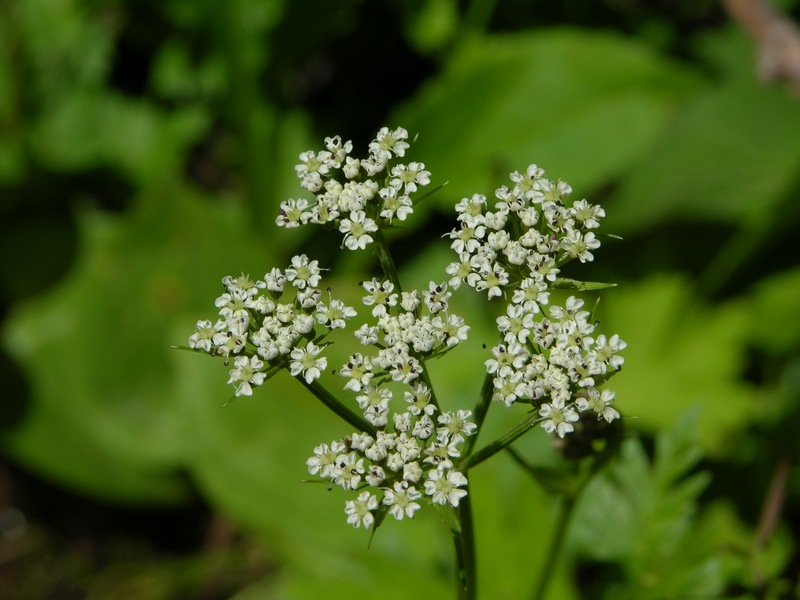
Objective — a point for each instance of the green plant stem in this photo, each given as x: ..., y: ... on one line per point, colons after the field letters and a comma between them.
x: 337, y: 407
x: 556, y: 542
x: 464, y: 541
x: 479, y: 414
x: 386, y: 261
x: 500, y: 443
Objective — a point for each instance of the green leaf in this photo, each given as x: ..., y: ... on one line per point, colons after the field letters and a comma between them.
x: 640, y: 515
x: 583, y: 105
x: 87, y: 128
x: 729, y: 156
x: 103, y: 416
x: 681, y: 354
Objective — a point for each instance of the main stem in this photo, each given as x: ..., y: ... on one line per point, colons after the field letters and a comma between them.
x: 464, y: 539
x: 462, y: 529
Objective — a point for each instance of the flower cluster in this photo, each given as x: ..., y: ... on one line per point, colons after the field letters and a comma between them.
x: 523, y: 240
x: 411, y: 328
x: 396, y: 468
x: 403, y: 336
x: 548, y: 358
x: 356, y: 196
x: 555, y: 364
x: 514, y: 250
x: 266, y: 327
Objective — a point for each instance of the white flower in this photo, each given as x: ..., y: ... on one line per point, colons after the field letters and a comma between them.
x: 605, y: 351
x: 246, y: 372
x: 348, y: 470
x: 507, y: 359
x: 436, y: 297
x: 303, y: 272
x: 357, y: 229
x: 492, y: 280
x: 579, y: 246
x: 201, y: 338
x: 324, y: 459
x: 443, y: 488
x: 470, y: 210
x: 401, y: 500
x: 587, y: 214
x: 333, y: 314
x: 387, y: 141
x: 412, y: 472
x: 374, y: 396
x: 598, y: 402
x: 558, y: 418
x: 293, y: 213
x: 409, y: 176
x: 379, y: 295
x: 516, y: 325
x: 456, y: 424
x: 367, y: 334
x: 359, y: 370
x: 275, y: 280
x: 419, y: 399
x: 451, y: 332
x: 394, y: 204
x: 423, y: 428
x: 305, y: 361
x: 410, y: 300
x: 375, y: 476
x: 361, y: 510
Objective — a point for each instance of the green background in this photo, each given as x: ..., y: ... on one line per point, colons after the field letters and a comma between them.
x: 144, y: 150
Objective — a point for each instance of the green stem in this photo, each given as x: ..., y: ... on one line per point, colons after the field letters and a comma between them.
x: 479, y: 414
x: 464, y: 541
x: 337, y: 407
x: 500, y: 443
x: 554, y: 551
x: 386, y: 261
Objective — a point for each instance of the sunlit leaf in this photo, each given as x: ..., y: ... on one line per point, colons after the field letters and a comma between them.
x: 681, y: 353
x: 582, y: 105
x: 730, y: 154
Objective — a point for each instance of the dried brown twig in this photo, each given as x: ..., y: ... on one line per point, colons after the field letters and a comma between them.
x: 777, y: 38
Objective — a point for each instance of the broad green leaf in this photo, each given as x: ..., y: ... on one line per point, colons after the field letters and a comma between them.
x: 681, y: 354
x: 730, y: 155
x: 583, y: 105
x: 96, y: 349
x: 86, y: 128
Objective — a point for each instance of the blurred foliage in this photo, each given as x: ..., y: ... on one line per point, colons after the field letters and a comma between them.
x: 145, y: 146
